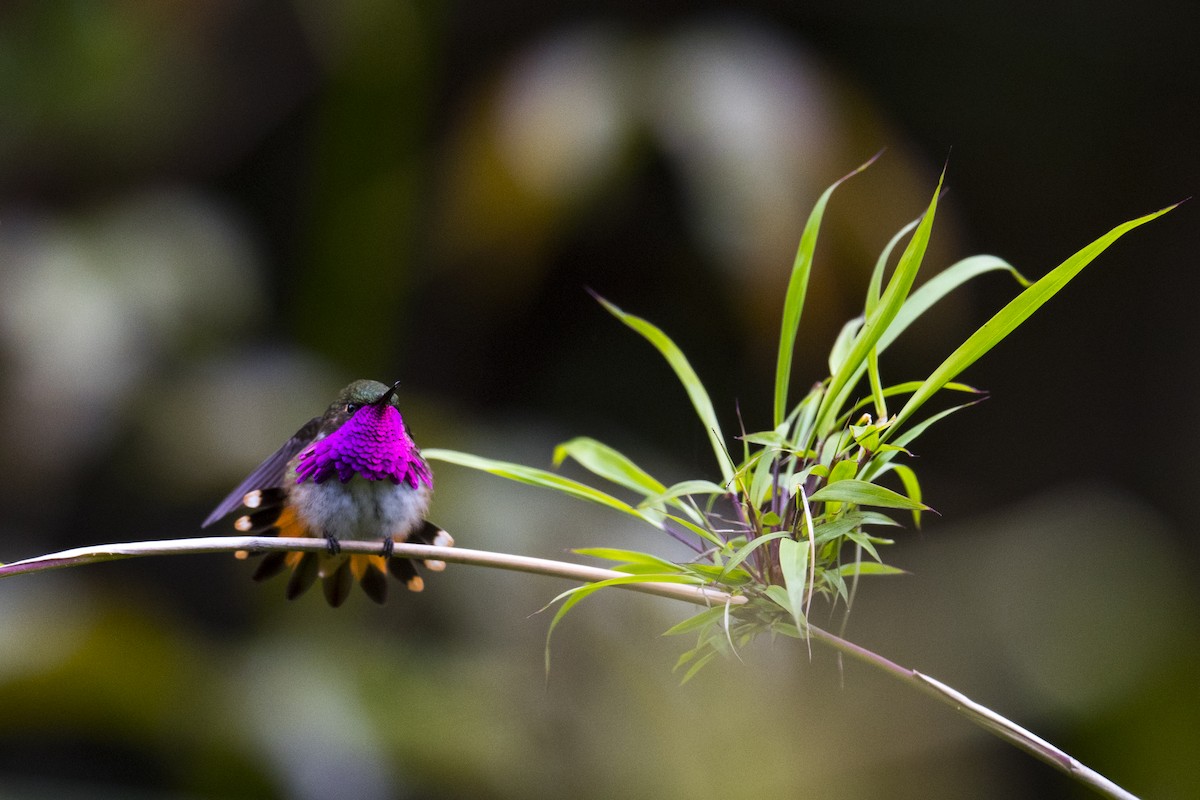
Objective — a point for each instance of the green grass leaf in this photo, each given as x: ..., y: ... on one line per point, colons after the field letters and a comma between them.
x: 912, y: 487
x: 880, y: 318
x: 874, y: 291
x: 776, y: 439
x: 875, y: 285
x: 779, y: 596
x: 681, y: 489
x: 879, y: 518
x: 748, y: 548
x: 634, y: 557
x: 917, y: 304
x: 865, y: 494
x: 842, y: 471
x: 762, y: 481
x: 941, y: 285
x: 843, y: 344
x: 793, y: 562
x: 865, y: 542
x: 1012, y: 315
x: 687, y: 376
x: 700, y: 532
x: 573, y: 596
x: 537, y: 477
x: 706, y: 617
x: 710, y: 573
x: 869, y: 568
x: 793, y: 304
x: 698, y: 665
x: 905, y: 388
x: 850, y: 521
x: 609, y: 464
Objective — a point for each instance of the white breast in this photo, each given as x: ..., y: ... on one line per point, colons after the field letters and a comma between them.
x: 360, y: 509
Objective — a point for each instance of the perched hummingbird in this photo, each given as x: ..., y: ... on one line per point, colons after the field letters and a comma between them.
x: 380, y: 490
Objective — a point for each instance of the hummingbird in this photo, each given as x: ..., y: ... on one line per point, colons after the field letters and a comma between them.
x: 353, y: 473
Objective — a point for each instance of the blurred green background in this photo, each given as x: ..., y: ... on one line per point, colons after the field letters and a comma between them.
x: 213, y: 215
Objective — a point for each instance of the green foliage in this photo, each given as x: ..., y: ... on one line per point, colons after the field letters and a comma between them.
x: 795, y: 517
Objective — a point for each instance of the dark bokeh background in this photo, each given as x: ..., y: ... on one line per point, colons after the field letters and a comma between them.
x: 212, y: 215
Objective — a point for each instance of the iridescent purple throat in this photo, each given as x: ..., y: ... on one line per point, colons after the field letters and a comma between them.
x: 373, y: 444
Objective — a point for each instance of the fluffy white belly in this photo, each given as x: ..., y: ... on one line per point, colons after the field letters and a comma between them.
x: 360, y: 509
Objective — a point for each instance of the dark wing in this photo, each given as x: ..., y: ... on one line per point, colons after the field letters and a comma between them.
x: 269, y: 474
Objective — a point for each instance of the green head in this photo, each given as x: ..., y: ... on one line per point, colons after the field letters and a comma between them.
x: 362, y: 433
x: 355, y: 396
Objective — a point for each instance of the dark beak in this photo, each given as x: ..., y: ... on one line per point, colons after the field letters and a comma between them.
x: 386, y: 397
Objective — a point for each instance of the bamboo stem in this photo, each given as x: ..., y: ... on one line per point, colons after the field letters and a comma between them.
x: 699, y: 595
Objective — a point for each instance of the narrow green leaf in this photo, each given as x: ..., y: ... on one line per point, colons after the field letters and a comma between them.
x: 711, y: 573
x: 748, y: 548
x: 682, y: 489
x: 836, y: 586
x: 912, y: 487
x: 699, y: 664
x: 869, y: 568
x: 805, y: 416
x: 876, y: 384
x: 706, y: 617
x: 879, y: 518
x: 650, y: 569
x: 863, y: 541
x: 763, y: 479
x: 841, y: 526
x: 686, y: 658
x: 842, y: 470
x: 702, y: 533
x: 793, y: 562
x: 865, y: 494
x: 660, y: 577
x: 874, y: 290
x: 535, y: 477
x: 793, y: 304
x: 707, y: 573
x: 820, y: 470
x: 780, y: 596
x: 766, y: 438
x: 687, y: 376
x: 628, y: 557
x: 786, y: 629
x: 572, y: 597
x: 608, y: 463
x: 843, y: 344
x: 905, y: 388
x: 881, y: 316
x: 917, y: 304
x: 875, y: 286
x: 1017, y: 311
x: 575, y: 595
x: 941, y: 285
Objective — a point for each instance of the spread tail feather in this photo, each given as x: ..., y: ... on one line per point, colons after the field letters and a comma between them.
x: 266, y: 513
x: 337, y: 586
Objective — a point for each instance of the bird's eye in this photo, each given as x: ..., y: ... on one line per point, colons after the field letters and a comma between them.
x: 351, y: 408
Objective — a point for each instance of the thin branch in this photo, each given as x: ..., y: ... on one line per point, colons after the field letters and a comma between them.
x: 981, y: 715
x: 699, y: 595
